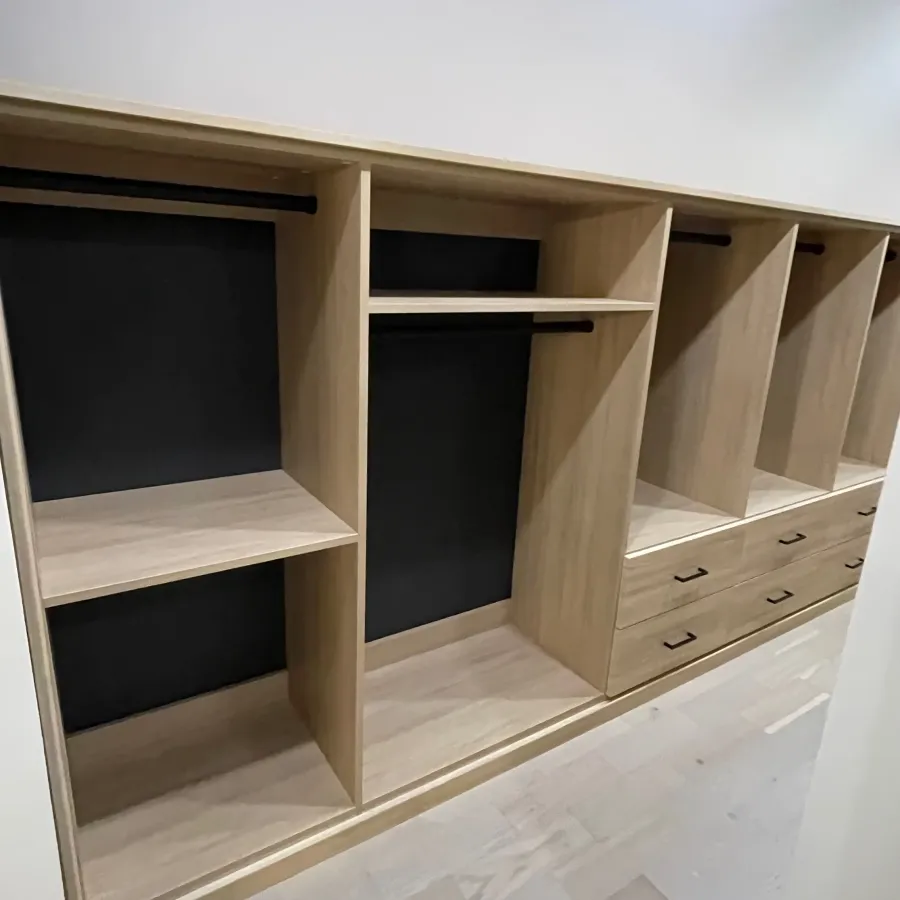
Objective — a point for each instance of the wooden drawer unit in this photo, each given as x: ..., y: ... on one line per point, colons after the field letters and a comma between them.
x: 664, y: 579
x: 653, y: 647
x: 775, y: 540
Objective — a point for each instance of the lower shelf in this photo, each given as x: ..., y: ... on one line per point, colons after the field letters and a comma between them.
x: 769, y: 492
x: 431, y: 711
x: 855, y: 471
x: 171, y: 796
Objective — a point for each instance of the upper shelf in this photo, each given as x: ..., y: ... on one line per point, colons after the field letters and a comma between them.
x: 105, y: 543
x: 480, y: 303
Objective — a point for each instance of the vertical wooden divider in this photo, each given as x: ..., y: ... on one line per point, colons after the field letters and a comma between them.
x: 718, y: 322
x: 586, y: 398
x: 876, y: 406
x: 820, y: 347
x: 18, y: 495
x: 323, y: 288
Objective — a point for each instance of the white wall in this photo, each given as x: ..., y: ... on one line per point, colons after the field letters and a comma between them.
x: 793, y: 100
x: 782, y: 99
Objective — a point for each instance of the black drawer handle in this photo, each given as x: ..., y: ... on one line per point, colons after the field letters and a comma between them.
x: 855, y: 565
x: 793, y: 540
x: 867, y: 512
x: 698, y: 574
x: 776, y: 600
x: 690, y: 637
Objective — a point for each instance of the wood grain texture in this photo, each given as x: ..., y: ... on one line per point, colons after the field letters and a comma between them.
x: 18, y: 498
x: 189, y: 790
x: 104, y: 543
x: 396, y: 647
x: 820, y: 347
x: 769, y: 492
x: 405, y: 210
x: 435, y: 710
x: 716, y: 337
x: 876, y: 403
x: 491, y: 304
x: 852, y: 472
x: 323, y: 286
x: 582, y: 432
x: 659, y: 516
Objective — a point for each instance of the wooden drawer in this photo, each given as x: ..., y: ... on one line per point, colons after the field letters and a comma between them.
x: 665, y: 579
x: 655, y: 646
x: 778, y: 539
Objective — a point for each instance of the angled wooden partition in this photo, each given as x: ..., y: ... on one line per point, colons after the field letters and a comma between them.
x: 582, y: 434
x: 820, y: 346
x: 876, y: 405
x: 718, y: 320
x: 323, y: 268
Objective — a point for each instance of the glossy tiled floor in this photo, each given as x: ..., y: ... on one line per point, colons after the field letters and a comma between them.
x: 697, y: 796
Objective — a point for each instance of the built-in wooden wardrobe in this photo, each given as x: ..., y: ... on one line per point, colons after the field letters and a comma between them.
x: 343, y: 478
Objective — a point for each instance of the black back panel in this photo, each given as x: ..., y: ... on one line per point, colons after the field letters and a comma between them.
x: 144, y: 346
x: 124, y: 654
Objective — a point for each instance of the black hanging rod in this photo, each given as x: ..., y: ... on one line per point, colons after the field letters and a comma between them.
x: 724, y: 240
x: 394, y: 325
x: 32, y: 179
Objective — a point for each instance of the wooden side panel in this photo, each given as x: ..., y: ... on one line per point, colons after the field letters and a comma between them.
x: 15, y: 473
x: 323, y: 285
x: 582, y: 432
x: 876, y: 406
x: 718, y: 323
x: 823, y: 332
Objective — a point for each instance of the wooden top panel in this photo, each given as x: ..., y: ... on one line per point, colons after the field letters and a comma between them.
x: 46, y: 112
x: 769, y: 491
x: 492, y: 304
x: 854, y: 471
x: 104, y: 543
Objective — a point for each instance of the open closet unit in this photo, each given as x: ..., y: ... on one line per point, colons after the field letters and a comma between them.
x: 343, y: 478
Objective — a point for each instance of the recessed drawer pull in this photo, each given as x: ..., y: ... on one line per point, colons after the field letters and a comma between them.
x: 867, y: 512
x: 854, y: 565
x: 776, y: 600
x: 690, y: 637
x: 794, y: 540
x: 698, y: 574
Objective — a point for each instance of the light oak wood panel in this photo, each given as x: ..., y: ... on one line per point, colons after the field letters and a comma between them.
x: 659, y: 516
x: 399, y: 210
x: 323, y: 288
x: 189, y: 790
x: 104, y: 543
x: 769, y: 492
x: 432, y: 711
x: 414, y: 641
x: 493, y: 304
x: 18, y: 498
x: 582, y: 432
x: 650, y: 648
x: 820, y: 346
x: 851, y: 472
x: 876, y: 404
x: 718, y: 322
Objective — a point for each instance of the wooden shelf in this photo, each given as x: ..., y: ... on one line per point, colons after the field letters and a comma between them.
x: 105, y: 543
x: 769, y: 491
x: 658, y: 516
x: 855, y: 471
x: 181, y: 792
x: 426, y: 713
x: 479, y: 303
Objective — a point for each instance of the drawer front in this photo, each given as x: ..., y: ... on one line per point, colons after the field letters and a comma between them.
x: 656, y: 646
x: 779, y: 539
x: 665, y: 579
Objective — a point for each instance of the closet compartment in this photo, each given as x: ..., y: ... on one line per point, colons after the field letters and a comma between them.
x: 876, y: 403
x: 722, y: 297
x: 496, y: 454
x: 181, y: 446
x: 832, y: 289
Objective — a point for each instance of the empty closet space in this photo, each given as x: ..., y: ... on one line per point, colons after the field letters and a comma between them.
x: 718, y: 320
x: 834, y: 279
x: 182, y: 390
x: 876, y: 403
x: 496, y: 426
